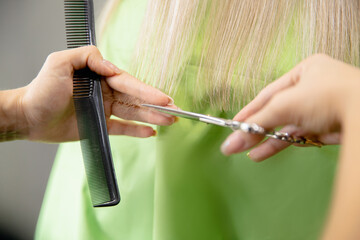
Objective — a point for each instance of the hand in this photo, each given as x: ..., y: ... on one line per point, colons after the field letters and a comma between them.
x: 47, y: 107
x: 311, y: 99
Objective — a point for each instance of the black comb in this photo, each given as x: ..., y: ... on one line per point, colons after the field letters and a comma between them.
x: 87, y: 95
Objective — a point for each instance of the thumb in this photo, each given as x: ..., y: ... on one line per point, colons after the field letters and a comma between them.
x: 90, y: 56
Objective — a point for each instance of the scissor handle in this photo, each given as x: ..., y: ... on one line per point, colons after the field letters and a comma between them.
x: 256, y: 129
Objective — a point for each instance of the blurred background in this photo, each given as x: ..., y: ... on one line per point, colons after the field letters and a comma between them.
x: 29, y: 31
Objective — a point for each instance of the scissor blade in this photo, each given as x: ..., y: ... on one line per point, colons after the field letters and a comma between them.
x: 176, y: 112
x: 194, y: 116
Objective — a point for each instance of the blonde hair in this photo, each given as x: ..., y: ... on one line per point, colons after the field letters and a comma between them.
x: 240, y: 46
x: 104, y: 17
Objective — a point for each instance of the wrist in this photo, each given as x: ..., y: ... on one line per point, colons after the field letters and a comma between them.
x: 13, y: 124
x: 348, y: 97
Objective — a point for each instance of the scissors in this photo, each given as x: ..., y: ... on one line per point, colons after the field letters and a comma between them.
x: 236, y: 125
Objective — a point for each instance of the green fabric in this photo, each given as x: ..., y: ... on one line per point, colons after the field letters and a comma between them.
x: 178, y: 185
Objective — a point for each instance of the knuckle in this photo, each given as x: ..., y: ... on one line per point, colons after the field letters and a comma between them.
x: 264, y: 90
x: 52, y: 57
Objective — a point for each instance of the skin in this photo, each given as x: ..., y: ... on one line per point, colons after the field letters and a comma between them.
x: 44, y: 110
x: 326, y: 95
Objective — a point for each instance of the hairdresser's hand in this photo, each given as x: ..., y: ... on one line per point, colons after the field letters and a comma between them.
x: 312, y: 99
x: 47, y: 105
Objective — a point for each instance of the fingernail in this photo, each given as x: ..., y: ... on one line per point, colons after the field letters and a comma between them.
x: 176, y: 120
x: 253, y: 155
x: 154, y: 133
x: 112, y: 66
x: 233, y: 144
x: 171, y: 101
x: 224, y: 147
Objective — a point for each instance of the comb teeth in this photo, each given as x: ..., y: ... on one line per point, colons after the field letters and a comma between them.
x: 77, y: 23
x: 82, y: 86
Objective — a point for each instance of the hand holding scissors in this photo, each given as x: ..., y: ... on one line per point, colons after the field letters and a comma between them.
x: 236, y: 125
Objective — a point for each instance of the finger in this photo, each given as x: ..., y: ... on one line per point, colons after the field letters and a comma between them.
x: 279, y: 111
x: 125, y: 83
x: 267, y: 149
x: 129, y: 108
x: 239, y: 141
x: 288, y: 80
x: 142, y: 114
x: 330, y: 138
x: 271, y: 146
x: 79, y: 58
x: 118, y: 127
x: 90, y: 56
